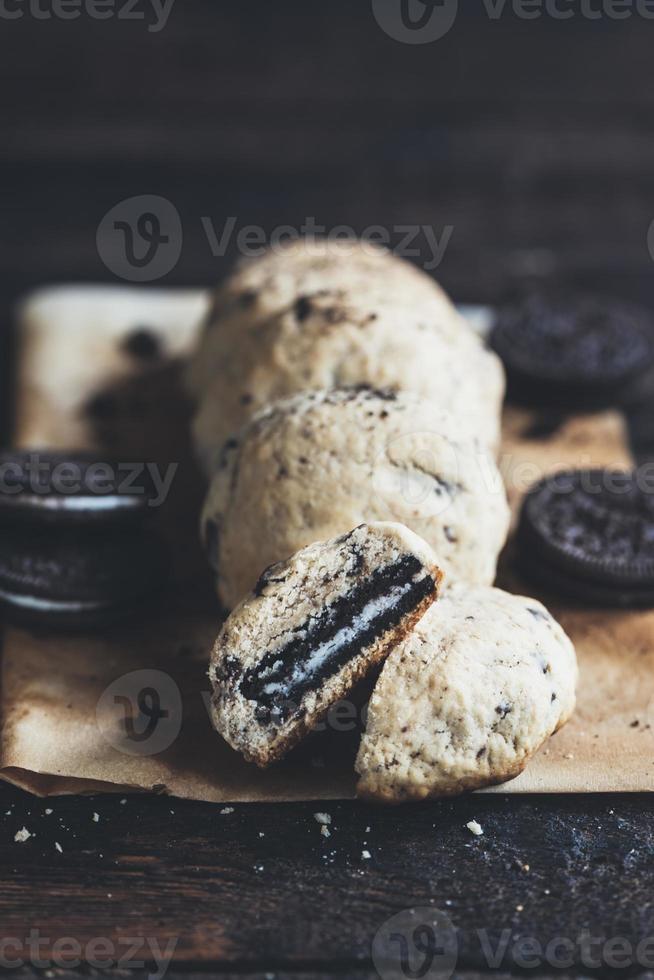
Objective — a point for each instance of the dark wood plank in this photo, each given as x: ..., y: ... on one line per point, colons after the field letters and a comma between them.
x: 261, y: 888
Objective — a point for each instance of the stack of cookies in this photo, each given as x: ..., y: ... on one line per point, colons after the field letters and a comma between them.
x: 79, y: 550
x: 348, y: 417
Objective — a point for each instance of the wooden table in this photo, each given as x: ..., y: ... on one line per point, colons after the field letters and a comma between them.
x: 260, y: 890
x: 533, y: 140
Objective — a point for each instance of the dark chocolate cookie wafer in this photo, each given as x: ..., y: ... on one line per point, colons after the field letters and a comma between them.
x: 589, y: 534
x: 575, y: 351
x: 41, y: 486
x: 50, y: 578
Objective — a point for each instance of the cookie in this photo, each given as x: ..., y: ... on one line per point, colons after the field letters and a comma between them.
x: 262, y: 287
x: 333, y: 339
x: 87, y: 354
x: 589, y: 535
x: 71, y: 488
x: 468, y: 697
x: 313, y: 626
x: 311, y: 467
x: 574, y: 351
x: 50, y: 578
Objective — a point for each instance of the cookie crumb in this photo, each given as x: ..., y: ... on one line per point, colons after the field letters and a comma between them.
x: 325, y: 831
x: 22, y: 835
x: 474, y: 828
x: 323, y: 818
x: 227, y: 809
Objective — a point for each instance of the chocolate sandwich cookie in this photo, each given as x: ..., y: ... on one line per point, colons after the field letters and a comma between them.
x: 44, y: 487
x: 49, y: 578
x: 589, y: 534
x: 311, y: 629
x: 574, y: 351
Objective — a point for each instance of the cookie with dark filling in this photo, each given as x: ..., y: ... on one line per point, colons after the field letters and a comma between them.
x: 311, y: 629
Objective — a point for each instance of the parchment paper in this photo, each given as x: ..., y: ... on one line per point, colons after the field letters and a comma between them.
x: 126, y: 708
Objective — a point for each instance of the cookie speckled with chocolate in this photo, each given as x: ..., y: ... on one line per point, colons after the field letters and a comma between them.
x: 467, y: 698
x: 313, y: 466
x: 334, y: 338
x: 589, y: 535
x: 313, y: 626
x: 50, y: 578
x: 261, y: 288
x: 574, y: 351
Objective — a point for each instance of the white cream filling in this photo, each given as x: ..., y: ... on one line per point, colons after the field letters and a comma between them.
x: 51, y: 605
x: 325, y: 650
x: 78, y: 503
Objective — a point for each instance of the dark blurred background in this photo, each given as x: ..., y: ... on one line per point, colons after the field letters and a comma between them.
x: 532, y: 139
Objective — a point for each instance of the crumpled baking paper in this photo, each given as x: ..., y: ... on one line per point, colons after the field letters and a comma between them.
x: 127, y: 708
